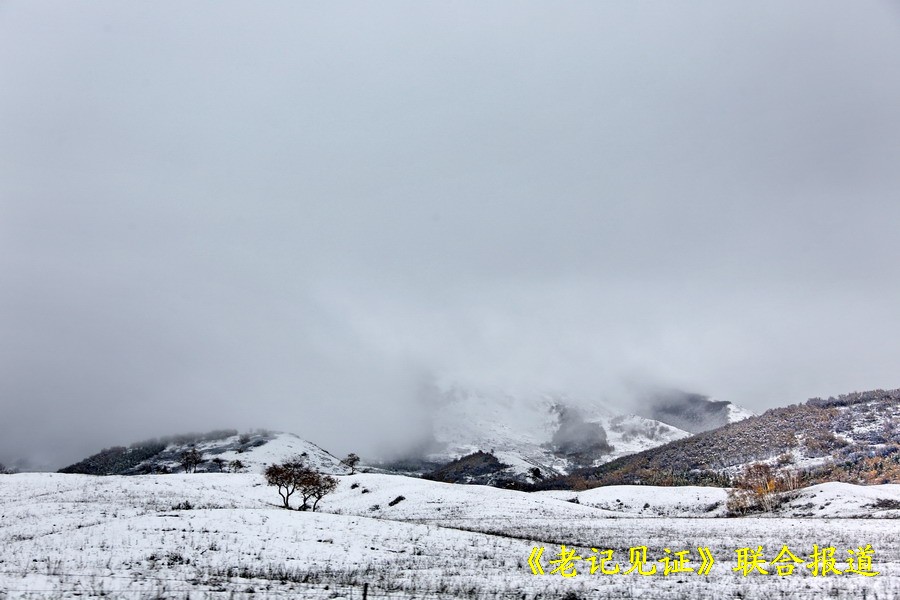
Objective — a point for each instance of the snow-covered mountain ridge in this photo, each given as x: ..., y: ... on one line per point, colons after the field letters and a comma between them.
x: 540, y: 435
x: 221, y: 451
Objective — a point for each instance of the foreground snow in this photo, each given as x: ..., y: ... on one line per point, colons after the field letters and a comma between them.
x: 71, y: 535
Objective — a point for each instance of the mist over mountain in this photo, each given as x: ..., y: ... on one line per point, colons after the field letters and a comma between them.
x: 547, y: 275
x: 525, y: 436
x: 242, y: 216
x: 694, y: 413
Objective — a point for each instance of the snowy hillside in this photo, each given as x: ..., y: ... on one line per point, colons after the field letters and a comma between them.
x: 738, y: 413
x: 853, y: 438
x: 220, y: 451
x: 211, y: 535
x: 550, y: 432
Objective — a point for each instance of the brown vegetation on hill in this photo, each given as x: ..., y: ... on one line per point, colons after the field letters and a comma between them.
x: 855, y: 436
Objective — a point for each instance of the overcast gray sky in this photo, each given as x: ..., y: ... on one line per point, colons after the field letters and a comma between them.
x: 291, y: 215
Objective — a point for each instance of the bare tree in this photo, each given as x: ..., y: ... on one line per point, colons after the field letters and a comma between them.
x: 288, y: 477
x: 284, y: 479
x: 237, y: 466
x: 306, y: 492
x: 314, y: 485
x: 351, y: 461
x: 295, y: 475
x: 324, y: 485
x: 189, y: 459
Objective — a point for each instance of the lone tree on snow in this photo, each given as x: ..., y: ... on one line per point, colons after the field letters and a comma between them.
x: 189, y: 459
x: 351, y: 461
x: 293, y: 475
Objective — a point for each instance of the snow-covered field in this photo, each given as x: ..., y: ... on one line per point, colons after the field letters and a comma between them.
x: 224, y: 536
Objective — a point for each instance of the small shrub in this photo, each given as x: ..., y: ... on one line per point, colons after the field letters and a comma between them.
x: 785, y: 459
x: 759, y: 488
